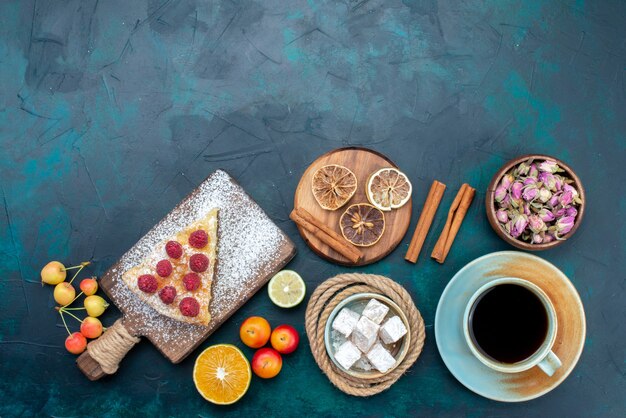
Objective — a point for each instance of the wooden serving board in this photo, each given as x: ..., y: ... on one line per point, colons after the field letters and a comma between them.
x: 251, y: 249
x: 362, y: 162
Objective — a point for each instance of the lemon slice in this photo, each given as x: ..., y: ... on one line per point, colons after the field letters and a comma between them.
x: 333, y: 185
x: 222, y: 374
x: 388, y: 188
x: 286, y: 289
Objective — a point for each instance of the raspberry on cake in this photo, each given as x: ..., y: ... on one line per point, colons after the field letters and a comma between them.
x: 198, y: 239
x: 198, y: 263
x: 189, y: 306
x: 174, y: 249
x: 179, y: 285
x: 191, y: 281
x: 164, y: 268
x: 168, y: 294
x: 147, y: 283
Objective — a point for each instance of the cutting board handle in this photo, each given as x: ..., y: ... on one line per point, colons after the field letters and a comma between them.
x: 104, y: 354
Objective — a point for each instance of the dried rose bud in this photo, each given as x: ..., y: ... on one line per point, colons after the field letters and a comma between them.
x: 564, y: 224
x: 536, y: 224
x: 548, y: 238
x: 519, y: 224
x: 529, y: 181
x: 507, y: 180
x: 546, y: 215
x: 537, y: 239
x: 526, y: 208
x: 523, y: 168
x: 571, y: 211
x: 549, y: 166
x: 500, y: 193
x: 570, y: 188
x: 544, y: 195
x: 533, y: 172
x: 554, y: 200
x: 548, y: 180
x: 559, y: 211
x: 558, y: 182
x: 566, y: 198
x: 502, y: 215
x: 530, y: 193
x: 516, y: 190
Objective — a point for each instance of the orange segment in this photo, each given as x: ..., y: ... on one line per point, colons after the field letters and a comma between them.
x: 222, y: 374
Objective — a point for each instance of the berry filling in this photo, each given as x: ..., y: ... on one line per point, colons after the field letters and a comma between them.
x: 189, y: 306
x: 198, y: 239
x: 198, y: 263
x: 164, y: 268
x: 147, y: 283
x: 167, y: 294
x: 173, y: 249
x: 191, y: 281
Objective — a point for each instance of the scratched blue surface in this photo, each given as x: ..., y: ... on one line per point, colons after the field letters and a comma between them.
x: 112, y: 111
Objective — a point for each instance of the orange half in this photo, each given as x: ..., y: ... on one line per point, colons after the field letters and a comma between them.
x: 222, y: 374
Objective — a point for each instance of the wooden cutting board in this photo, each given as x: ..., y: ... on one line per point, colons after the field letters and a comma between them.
x: 362, y: 162
x: 251, y: 249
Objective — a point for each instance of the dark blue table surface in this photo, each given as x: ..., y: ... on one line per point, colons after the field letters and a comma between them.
x: 112, y: 111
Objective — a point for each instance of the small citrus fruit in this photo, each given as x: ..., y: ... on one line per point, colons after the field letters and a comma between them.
x: 286, y: 289
x: 222, y: 374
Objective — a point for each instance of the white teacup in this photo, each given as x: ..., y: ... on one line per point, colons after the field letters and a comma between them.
x: 543, y: 357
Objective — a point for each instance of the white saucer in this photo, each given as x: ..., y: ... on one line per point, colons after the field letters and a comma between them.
x: 508, y: 387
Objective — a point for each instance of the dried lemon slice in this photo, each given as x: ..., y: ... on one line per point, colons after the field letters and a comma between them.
x: 388, y: 188
x: 362, y: 224
x: 333, y: 185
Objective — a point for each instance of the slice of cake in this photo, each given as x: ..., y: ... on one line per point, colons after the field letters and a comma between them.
x: 176, y: 277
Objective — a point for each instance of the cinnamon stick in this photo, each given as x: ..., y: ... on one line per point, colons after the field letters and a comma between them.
x: 325, y: 234
x: 457, y: 212
x: 425, y: 220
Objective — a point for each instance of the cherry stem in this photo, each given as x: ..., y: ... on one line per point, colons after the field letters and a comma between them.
x: 72, y: 309
x: 75, y: 317
x: 76, y: 274
x: 81, y: 265
x: 64, y: 323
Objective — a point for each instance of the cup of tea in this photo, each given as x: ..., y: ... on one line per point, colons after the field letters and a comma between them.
x: 510, y: 325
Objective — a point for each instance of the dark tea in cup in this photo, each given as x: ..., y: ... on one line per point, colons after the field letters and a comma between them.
x: 508, y: 323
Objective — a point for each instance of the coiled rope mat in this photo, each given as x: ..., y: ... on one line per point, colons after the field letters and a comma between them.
x: 327, y: 296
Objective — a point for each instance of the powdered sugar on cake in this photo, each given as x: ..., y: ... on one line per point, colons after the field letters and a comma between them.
x: 249, y: 244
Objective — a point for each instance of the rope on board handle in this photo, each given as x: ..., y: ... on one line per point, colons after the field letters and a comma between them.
x: 112, y: 346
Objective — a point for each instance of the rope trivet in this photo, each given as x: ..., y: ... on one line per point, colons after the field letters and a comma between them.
x: 327, y: 296
x: 112, y: 346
